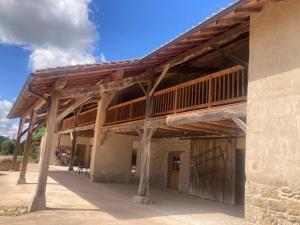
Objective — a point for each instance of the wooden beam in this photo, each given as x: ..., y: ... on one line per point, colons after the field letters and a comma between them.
x: 72, y: 107
x: 142, y: 88
x: 78, y: 129
x: 216, y: 29
x: 73, y: 136
x: 17, y: 145
x: 106, y: 87
x: 39, y: 200
x: 230, y: 56
x: 219, y: 113
x: 36, y: 94
x: 240, y: 124
x: 117, y: 75
x: 220, y: 39
x: 27, y: 148
x: 233, y: 20
x: 248, y: 10
x: 159, y: 79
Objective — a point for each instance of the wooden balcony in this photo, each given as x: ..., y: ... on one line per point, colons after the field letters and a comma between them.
x: 84, y: 118
x: 224, y: 87
x: 221, y: 88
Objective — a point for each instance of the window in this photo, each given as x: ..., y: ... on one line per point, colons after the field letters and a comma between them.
x: 133, y: 162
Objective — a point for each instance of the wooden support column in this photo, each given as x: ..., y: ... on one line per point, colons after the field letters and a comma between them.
x: 145, y: 136
x: 27, y: 148
x: 39, y: 200
x: 100, y: 133
x: 240, y: 123
x: 73, y: 135
x: 17, y: 146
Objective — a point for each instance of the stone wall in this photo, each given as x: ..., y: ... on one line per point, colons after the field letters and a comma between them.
x: 160, y: 149
x: 273, y: 117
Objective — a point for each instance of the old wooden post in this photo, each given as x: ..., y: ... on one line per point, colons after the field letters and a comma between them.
x: 73, y: 135
x: 39, y: 199
x: 17, y: 146
x: 27, y: 148
x: 99, y: 134
x: 145, y: 135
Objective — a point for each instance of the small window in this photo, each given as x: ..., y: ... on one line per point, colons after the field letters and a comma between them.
x: 133, y: 162
x: 175, y: 163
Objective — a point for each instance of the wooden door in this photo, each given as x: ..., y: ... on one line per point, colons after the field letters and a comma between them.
x: 212, y: 174
x: 173, y: 169
x: 80, y: 154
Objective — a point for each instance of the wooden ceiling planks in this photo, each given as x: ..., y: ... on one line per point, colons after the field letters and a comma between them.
x: 232, y: 16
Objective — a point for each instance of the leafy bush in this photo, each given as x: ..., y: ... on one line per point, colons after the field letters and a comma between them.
x: 7, y: 147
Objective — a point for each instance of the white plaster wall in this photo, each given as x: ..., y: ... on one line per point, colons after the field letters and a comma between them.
x: 113, y: 158
x: 273, y: 118
x: 66, y: 140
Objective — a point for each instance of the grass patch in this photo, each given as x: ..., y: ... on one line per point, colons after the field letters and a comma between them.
x: 13, y: 211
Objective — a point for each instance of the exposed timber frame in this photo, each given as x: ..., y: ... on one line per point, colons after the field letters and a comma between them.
x: 241, y: 124
x: 39, y: 199
x: 27, y: 148
x: 73, y: 135
x: 145, y: 135
x: 17, y: 145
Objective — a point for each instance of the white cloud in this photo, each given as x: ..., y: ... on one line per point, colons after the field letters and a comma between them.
x: 52, y: 57
x: 8, y: 127
x: 58, y: 32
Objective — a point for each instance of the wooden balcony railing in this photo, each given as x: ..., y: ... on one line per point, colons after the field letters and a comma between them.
x: 82, y: 119
x: 224, y: 87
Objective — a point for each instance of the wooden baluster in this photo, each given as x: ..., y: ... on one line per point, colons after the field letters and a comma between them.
x: 224, y: 76
x: 243, y: 83
x: 238, y: 83
x: 130, y: 112
x: 210, y: 91
x: 228, y: 86
x: 175, y: 100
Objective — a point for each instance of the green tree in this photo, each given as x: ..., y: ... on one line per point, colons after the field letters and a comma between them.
x: 7, y: 147
x: 36, y: 141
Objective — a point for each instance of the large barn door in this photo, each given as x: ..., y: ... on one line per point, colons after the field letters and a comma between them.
x: 213, y: 169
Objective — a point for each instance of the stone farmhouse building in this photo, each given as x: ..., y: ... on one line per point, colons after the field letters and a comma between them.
x: 214, y: 113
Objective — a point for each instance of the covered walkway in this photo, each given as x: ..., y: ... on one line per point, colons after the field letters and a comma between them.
x: 71, y: 199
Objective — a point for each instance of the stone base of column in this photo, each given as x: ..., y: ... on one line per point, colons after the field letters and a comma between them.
x: 37, y: 203
x: 21, y: 180
x: 142, y: 199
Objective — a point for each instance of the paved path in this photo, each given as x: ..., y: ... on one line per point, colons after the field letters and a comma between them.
x: 72, y: 200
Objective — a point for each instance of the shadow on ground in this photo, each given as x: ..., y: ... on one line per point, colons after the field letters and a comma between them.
x: 115, y: 199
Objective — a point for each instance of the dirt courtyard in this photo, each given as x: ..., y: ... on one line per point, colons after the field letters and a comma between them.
x: 72, y: 200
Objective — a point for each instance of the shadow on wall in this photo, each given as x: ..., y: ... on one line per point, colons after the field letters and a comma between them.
x: 115, y: 199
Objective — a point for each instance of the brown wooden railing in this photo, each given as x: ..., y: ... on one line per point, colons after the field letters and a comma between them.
x: 223, y: 87
x: 83, y: 118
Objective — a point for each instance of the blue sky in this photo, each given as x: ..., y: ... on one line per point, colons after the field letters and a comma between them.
x: 60, y: 32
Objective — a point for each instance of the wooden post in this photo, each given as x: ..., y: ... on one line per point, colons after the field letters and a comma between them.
x: 73, y: 135
x: 145, y: 135
x: 27, y: 148
x: 39, y: 200
x: 99, y: 134
x: 17, y: 146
